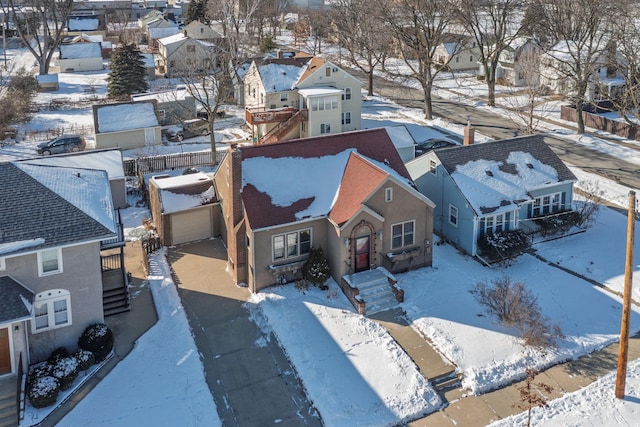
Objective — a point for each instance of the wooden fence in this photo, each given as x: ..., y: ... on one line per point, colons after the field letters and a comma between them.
x: 142, y: 165
x: 596, y: 121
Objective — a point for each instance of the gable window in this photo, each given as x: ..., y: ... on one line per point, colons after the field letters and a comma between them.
x: 327, y: 71
x: 471, y: 58
x: 291, y: 245
x: 388, y: 194
x: 191, y: 49
x: 453, y: 215
x: 402, y: 234
x: 325, y: 128
x: 346, y: 118
x: 284, y: 97
x: 346, y: 95
x: 432, y: 166
x: 51, y: 310
x: 49, y: 262
x: 457, y: 59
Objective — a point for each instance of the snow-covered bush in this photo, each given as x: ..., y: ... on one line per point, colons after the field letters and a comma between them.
x: 316, y: 269
x: 85, y: 359
x: 98, y: 339
x: 503, y: 245
x: 57, y: 354
x: 43, y: 391
x: 66, y: 371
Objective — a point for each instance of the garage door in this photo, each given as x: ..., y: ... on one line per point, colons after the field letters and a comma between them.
x: 191, y: 225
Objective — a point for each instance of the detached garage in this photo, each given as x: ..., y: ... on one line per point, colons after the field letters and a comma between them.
x: 184, y: 207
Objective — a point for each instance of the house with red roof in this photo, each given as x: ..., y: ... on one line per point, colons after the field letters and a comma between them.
x: 349, y: 194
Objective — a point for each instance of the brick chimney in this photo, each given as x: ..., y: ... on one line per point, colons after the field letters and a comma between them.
x: 234, y: 218
x: 469, y: 134
x: 279, y: 54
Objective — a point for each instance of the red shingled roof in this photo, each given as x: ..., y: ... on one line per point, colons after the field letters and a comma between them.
x: 359, y: 180
x: 374, y: 144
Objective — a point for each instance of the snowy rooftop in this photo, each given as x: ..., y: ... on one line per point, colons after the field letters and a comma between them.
x: 149, y: 60
x: 319, y: 91
x: 80, y: 50
x: 280, y: 77
x: 47, y: 78
x: 107, y: 160
x: 182, y: 192
x: 121, y: 117
x: 174, y: 38
x: 83, y: 23
x: 166, y: 96
x: 163, y: 32
x: 400, y: 136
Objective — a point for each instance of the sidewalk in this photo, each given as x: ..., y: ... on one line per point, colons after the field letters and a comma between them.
x: 126, y: 327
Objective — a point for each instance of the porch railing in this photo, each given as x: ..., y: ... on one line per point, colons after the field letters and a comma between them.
x: 119, y: 239
x: 110, y: 262
x: 19, y: 383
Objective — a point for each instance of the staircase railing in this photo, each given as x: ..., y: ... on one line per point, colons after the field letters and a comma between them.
x: 19, y: 387
x: 283, y: 128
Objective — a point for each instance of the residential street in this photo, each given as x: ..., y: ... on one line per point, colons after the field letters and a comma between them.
x: 498, y: 127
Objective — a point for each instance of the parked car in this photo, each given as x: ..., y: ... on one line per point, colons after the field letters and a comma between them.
x: 62, y: 144
x: 433, y: 144
x: 188, y: 129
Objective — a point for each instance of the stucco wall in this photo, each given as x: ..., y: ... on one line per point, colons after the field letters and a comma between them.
x: 81, y: 64
x: 126, y: 140
x: 81, y: 276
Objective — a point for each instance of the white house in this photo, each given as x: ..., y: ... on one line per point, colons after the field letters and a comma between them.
x: 76, y: 57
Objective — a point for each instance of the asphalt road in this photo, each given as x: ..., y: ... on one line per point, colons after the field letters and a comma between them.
x: 498, y: 127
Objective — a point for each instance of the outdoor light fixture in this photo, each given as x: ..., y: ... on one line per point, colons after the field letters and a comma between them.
x: 347, y: 241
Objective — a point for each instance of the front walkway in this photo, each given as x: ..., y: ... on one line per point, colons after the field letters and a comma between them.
x: 250, y: 378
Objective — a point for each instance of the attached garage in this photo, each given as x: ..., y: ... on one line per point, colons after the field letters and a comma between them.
x: 184, y: 207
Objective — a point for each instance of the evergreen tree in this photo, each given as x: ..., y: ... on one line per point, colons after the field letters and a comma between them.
x: 195, y: 11
x: 128, y: 74
x: 268, y: 44
x: 316, y: 269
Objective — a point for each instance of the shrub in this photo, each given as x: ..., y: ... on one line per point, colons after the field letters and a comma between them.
x: 316, y: 269
x: 85, y: 359
x: 516, y: 306
x: 57, y: 354
x: 558, y: 223
x: 66, y: 371
x: 503, y: 245
x: 98, y: 339
x: 43, y: 391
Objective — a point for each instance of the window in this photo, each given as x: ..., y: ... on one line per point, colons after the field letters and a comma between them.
x: 51, y: 310
x: 432, y: 166
x: 471, y: 58
x: 545, y: 205
x: 291, y: 245
x: 324, y: 103
x: 346, y: 95
x: 402, y: 234
x: 49, y: 262
x: 494, y: 224
x: 457, y: 59
x: 346, y: 118
x: 191, y: 49
x: 3, y: 264
x: 162, y: 114
x: 325, y: 128
x: 453, y: 215
x: 327, y: 71
x: 284, y: 97
x: 388, y: 194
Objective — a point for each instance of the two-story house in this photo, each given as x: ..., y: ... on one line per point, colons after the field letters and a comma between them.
x: 457, y: 52
x: 299, y: 96
x: 180, y: 55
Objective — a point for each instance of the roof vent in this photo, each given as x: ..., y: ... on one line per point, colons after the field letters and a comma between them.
x: 386, y: 162
x: 529, y: 165
x: 488, y: 172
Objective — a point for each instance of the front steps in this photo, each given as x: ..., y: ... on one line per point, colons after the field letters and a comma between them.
x: 8, y: 409
x: 372, y: 291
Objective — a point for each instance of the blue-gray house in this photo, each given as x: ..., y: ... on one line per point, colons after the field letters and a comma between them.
x: 491, y: 187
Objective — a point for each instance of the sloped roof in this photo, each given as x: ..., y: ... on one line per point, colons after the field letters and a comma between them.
x: 125, y: 116
x: 292, y: 180
x: 496, y: 176
x: 16, y: 302
x: 400, y: 136
x: 46, y: 206
x: 80, y: 50
x: 281, y: 74
x: 315, y: 63
x: 183, y: 192
x: 83, y: 23
x: 107, y: 160
x: 174, y: 38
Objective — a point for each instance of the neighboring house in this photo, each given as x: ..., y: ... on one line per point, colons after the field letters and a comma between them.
x: 492, y: 187
x: 184, y: 207
x: 84, y: 24
x: 349, y: 194
x: 107, y: 160
x: 105, y: 46
x: 300, y: 96
x: 606, y: 80
x: 172, y: 106
x: 126, y: 125
x: 512, y: 70
x: 150, y: 65
x: 403, y: 141
x: 457, y: 52
x: 179, y: 55
x: 54, y: 221
x: 77, y: 57
x: 199, y: 31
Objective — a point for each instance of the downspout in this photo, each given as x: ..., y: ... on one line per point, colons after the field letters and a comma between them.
x: 475, y: 236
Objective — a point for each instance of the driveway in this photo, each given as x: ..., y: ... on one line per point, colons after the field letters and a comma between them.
x: 250, y: 378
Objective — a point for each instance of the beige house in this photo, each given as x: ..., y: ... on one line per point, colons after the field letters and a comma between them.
x: 458, y: 52
x: 179, y: 55
x: 199, y: 31
x: 126, y: 125
x: 298, y: 96
x: 348, y: 194
x: 75, y: 57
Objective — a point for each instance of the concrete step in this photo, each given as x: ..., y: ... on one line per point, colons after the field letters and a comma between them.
x: 448, y: 381
x: 373, y: 284
x: 8, y: 413
x: 381, y: 306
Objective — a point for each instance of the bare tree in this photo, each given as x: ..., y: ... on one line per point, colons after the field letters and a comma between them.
x: 420, y: 27
x: 580, y: 31
x: 531, y: 394
x: 51, y: 18
x: 493, y: 24
x: 233, y: 16
x: 358, y: 30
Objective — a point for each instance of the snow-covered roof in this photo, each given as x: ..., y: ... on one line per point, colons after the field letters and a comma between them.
x: 121, y: 117
x: 400, y: 136
x: 279, y: 77
x: 163, y: 32
x: 80, y: 23
x: 174, y: 38
x: 47, y: 78
x: 183, y: 192
x: 80, y: 50
x: 107, y: 160
x: 319, y: 91
x: 149, y: 60
x: 498, y: 176
x: 165, y: 96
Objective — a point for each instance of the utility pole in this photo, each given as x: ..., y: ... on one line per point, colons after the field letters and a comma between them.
x: 623, y: 351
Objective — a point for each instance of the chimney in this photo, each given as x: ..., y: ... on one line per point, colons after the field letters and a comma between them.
x: 469, y: 134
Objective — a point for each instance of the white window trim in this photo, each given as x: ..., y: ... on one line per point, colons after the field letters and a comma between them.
x: 388, y: 194
x: 451, y: 209
x: 284, y: 236
x: 403, y: 233
x: 325, y: 128
x: 49, y: 298
x: 3, y: 264
x: 41, y: 272
x: 433, y: 166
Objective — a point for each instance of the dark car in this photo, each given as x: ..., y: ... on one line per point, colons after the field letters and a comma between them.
x: 62, y: 144
x: 188, y: 129
x: 433, y: 144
